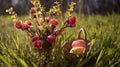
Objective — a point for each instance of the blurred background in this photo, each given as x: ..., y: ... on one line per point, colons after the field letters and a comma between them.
x: 100, y: 19
x: 22, y: 7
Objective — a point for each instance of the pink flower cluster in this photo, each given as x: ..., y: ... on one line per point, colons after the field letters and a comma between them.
x: 24, y: 25
x: 37, y: 43
x: 38, y: 39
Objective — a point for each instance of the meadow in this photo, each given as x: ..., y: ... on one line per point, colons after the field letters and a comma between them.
x: 16, y: 49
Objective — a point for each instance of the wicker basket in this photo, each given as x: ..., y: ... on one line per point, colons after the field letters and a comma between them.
x: 70, y: 57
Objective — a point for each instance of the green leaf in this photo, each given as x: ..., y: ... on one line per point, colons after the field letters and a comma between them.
x: 100, y: 56
x: 5, y: 61
x: 81, y: 63
x: 23, y: 63
x: 118, y: 62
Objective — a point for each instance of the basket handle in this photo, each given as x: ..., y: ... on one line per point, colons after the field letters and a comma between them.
x: 84, y: 33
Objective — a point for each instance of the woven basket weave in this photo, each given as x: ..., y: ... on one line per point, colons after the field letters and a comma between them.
x: 68, y: 46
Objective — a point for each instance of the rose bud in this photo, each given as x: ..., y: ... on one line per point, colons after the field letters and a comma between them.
x: 33, y: 10
x: 72, y: 21
x: 28, y: 22
x: 25, y: 26
x: 36, y: 37
x: 50, y: 38
x: 78, y: 50
x: 37, y: 44
x: 54, y: 22
x: 18, y: 24
x: 72, y: 25
x: 47, y: 19
x: 79, y: 43
x: 52, y: 27
x: 57, y: 32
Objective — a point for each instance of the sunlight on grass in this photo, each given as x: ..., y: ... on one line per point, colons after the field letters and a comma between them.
x: 16, y: 48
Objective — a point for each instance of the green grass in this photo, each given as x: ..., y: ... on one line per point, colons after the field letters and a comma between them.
x: 16, y: 49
